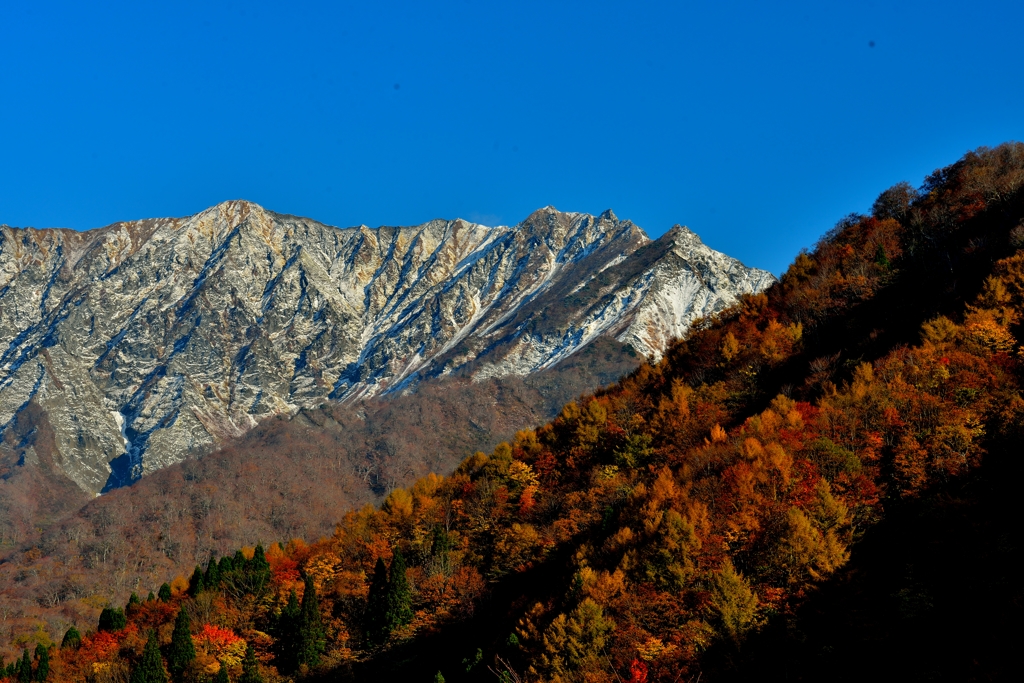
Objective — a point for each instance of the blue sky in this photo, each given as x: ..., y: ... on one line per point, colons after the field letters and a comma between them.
x: 757, y: 124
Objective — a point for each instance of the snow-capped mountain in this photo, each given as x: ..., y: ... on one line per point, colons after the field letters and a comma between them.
x: 146, y: 340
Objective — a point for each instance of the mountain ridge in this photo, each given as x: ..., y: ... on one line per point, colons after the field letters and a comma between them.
x: 148, y: 340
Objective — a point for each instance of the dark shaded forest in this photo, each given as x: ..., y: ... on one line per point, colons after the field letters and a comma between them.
x: 817, y: 484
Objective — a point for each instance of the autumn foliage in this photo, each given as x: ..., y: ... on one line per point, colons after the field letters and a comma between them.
x: 689, y: 505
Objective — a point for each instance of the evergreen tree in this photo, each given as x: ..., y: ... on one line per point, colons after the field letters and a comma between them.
x: 151, y: 667
x: 438, y: 678
x: 238, y: 562
x: 165, y: 593
x: 255, y: 577
x: 224, y: 566
x: 259, y: 563
x: 112, y: 619
x: 42, y: 662
x: 25, y: 668
x: 312, y: 638
x: 133, y: 604
x: 251, y: 667
x: 377, y: 629
x: 222, y: 674
x: 212, y: 576
x: 106, y: 622
x: 389, y: 603
x: 195, y: 583
x: 440, y: 549
x: 72, y: 639
x: 287, y: 632
x: 399, y: 595
x: 290, y: 613
x: 150, y: 597
x: 182, y: 652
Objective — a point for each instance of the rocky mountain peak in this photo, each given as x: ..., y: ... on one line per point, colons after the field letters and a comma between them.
x: 146, y: 340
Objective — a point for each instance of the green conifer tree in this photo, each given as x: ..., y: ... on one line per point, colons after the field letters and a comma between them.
x: 25, y: 668
x: 291, y: 611
x: 72, y: 639
x: 195, y: 583
x: 377, y: 629
x: 238, y: 562
x: 438, y: 678
x: 150, y: 597
x: 164, y: 593
x: 112, y: 619
x: 287, y: 632
x: 182, y: 652
x: 212, y: 576
x: 259, y: 562
x: 105, y: 622
x: 255, y: 577
x: 151, y: 667
x: 440, y: 549
x: 222, y: 674
x: 399, y: 595
x: 224, y: 566
x: 250, y: 667
x: 42, y: 662
x: 133, y: 604
x: 312, y: 638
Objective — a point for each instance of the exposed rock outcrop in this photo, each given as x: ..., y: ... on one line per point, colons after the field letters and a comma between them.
x: 147, y: 340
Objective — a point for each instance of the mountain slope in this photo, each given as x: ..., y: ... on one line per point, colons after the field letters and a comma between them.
x: 660, y: 527
x: 289, y: 477
x: 145, y: 341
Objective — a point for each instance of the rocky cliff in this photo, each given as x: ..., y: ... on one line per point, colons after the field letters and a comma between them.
x: 145, y: 341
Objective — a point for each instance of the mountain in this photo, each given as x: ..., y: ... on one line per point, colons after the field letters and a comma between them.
x: 819, y: 484
x: 146, y: 341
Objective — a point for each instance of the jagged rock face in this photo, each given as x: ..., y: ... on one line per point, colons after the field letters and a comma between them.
x: 145, y: 341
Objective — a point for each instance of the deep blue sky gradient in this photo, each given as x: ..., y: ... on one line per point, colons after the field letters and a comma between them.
x: 757, y: 124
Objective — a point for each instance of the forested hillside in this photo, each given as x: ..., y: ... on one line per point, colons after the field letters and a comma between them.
x: 288, y: 478
x: 699, y: 520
